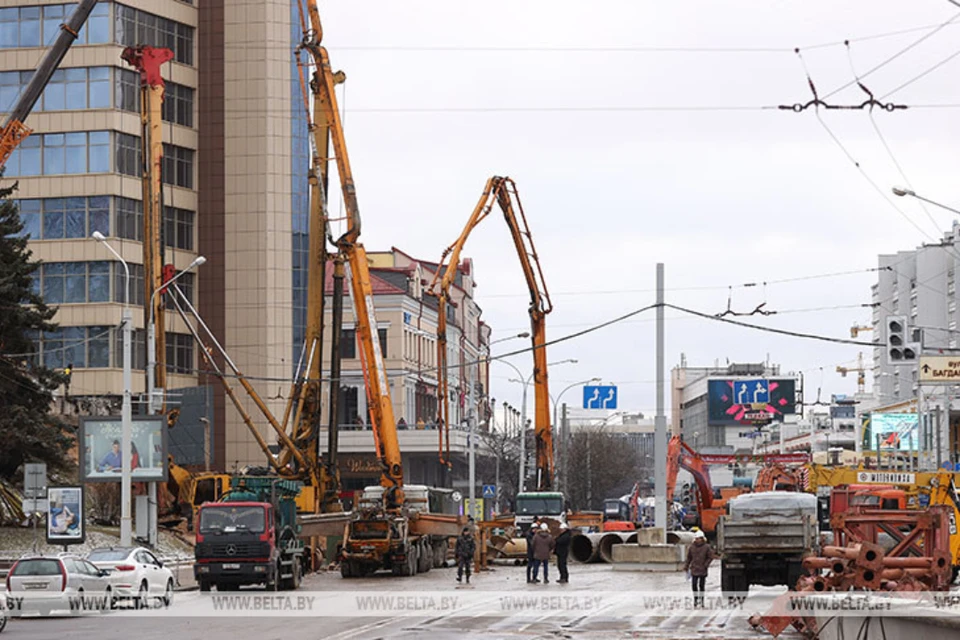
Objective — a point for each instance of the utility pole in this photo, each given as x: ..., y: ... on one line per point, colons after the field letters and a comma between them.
x: 472, y: 444
x: 523, y: 439
x: 660, y: 420
x: 564, y: 443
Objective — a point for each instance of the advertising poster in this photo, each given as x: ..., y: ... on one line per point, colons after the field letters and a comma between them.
x: 65, y: 515
x: 101, y: 437
x: 750, y: 401
x: 895, y: 431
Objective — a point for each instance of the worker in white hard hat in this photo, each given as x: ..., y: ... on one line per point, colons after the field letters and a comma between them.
x: 562, y: 549
x: 699, y: 556
x: 543, y: 545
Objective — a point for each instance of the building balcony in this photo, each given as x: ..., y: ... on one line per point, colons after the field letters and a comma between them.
x: 359, y: 439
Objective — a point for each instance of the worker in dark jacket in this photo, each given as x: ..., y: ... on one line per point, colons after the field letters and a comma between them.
x: 699, y: 556
x: 562, y: 550
x: 543, y: 545
x: 532, y: 531
x: 464, y: 552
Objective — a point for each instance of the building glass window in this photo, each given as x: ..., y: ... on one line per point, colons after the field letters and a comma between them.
x: 129, y: 162
x: 36, y: 26
x: 179, y: 353
x: 348, y: 344
x: 135, y: 27
x: 177, y: 166
x: 178, y: 228
x: 68, y: 89
x: 129, y: 218
x: 74, y: 282
x: 120, y: 283
x: 59, y: 218
x: 382, y: 335
x: 61, y: 153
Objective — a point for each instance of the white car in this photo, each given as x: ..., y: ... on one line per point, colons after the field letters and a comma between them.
x: 43, y: 584
x: 135, y: 574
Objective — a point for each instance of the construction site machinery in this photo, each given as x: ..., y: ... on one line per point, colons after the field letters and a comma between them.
x: 389, y: 534
x: 765, y: 538
x: 250, y: 536
x: 14, y: 129
x: 190, y: 489
x: 710, y: 506
x: 537, y: 505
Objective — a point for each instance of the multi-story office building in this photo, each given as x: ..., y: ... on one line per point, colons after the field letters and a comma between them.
x: 79, y: 172
x: 236, y: 154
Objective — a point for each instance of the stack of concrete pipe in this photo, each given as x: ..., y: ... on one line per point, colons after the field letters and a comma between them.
x: 598, y: 547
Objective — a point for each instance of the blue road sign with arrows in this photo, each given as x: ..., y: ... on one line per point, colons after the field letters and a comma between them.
x: 751, y: 392
x: 599, y: 397
x: 489, y: 491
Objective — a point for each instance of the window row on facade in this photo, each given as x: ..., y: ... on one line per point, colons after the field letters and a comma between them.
x: 96, y: 88
x: 83, y: 152
x: 79, y: 217
x: 109, y: 23
x: 95, y: 281
x: 101, y: 347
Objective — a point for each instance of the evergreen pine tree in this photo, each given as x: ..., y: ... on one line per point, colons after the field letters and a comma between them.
x: 29, y: 432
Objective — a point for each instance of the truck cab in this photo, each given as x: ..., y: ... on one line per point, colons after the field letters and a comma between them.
x: 250, y: 537
x: 538, y: 504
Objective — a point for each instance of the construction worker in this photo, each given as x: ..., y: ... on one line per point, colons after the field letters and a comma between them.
x: 699, y: 556
x: 464, y: 551
x: 531, y: 532
x: 562, y: 550
x: 543, y: 545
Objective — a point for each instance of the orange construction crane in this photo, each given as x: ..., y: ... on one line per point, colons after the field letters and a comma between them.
x: 389, y: 531
x: 14, y: 130
x: 503, y: 191
x: 776, y: 477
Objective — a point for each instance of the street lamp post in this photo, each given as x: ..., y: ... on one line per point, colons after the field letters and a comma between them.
x: 561, y: 430
x: 900, y: 191
x: 126, y: 418
x: 152, y: 338
x: 523, y: 413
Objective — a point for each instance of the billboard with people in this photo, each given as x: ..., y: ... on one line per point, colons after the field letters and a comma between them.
x: 101, y: 438
x: 65, y: 515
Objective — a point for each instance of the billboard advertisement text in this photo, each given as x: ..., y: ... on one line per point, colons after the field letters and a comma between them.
x: 742, y: 401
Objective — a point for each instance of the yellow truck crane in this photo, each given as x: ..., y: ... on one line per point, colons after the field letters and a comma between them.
x: 389, y: 530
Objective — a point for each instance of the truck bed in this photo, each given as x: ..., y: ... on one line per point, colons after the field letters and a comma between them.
x: 766, y: 536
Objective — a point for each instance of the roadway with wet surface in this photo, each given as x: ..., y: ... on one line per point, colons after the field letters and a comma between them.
x: 598, y: 603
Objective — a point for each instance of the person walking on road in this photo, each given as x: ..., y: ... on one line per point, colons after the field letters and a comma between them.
x: 466, y: 547
x: 543, y: 545
x: 563, y: 551
x: 699, y: 556
x: 531, y: 532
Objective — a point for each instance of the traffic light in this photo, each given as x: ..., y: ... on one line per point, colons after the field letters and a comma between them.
x: 686, y: 494
x: 902, y: 345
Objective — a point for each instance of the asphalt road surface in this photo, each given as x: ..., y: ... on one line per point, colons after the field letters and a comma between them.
x: 598, y: 603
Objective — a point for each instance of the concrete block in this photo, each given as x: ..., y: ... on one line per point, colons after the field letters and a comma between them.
x: 649, y: 536
x: 648, y: 554
x: 652, y: 567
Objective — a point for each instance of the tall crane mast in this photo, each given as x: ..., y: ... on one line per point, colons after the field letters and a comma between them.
x: 329, y: 130
x: 860, y: 370
x: 14, y: 130
x: 503, y: 191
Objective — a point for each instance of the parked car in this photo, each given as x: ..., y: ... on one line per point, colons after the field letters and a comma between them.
x: 135, y: 574
x: 44, y: 584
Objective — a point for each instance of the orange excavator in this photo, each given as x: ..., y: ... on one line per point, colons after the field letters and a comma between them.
x: 681, y: 456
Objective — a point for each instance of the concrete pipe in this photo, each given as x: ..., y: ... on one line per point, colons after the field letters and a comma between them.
x: 585, y: 547
x: 607, y: 541
x: 631, y: 539
x: 680, y: 537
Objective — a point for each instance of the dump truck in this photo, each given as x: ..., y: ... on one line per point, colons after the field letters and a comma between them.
x: 250, y: 536
x: 764, y: 539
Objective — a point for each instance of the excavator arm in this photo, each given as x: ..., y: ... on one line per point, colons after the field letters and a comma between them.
x: 503, y: 191
x: 14, y: 130
x: 681, y: 456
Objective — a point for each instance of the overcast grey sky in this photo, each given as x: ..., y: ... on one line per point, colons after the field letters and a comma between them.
x: 722, y: 197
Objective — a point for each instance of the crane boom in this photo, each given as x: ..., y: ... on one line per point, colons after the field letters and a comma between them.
x: 503, y: 191
x: 14, y: 130
x: 357, y: 268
